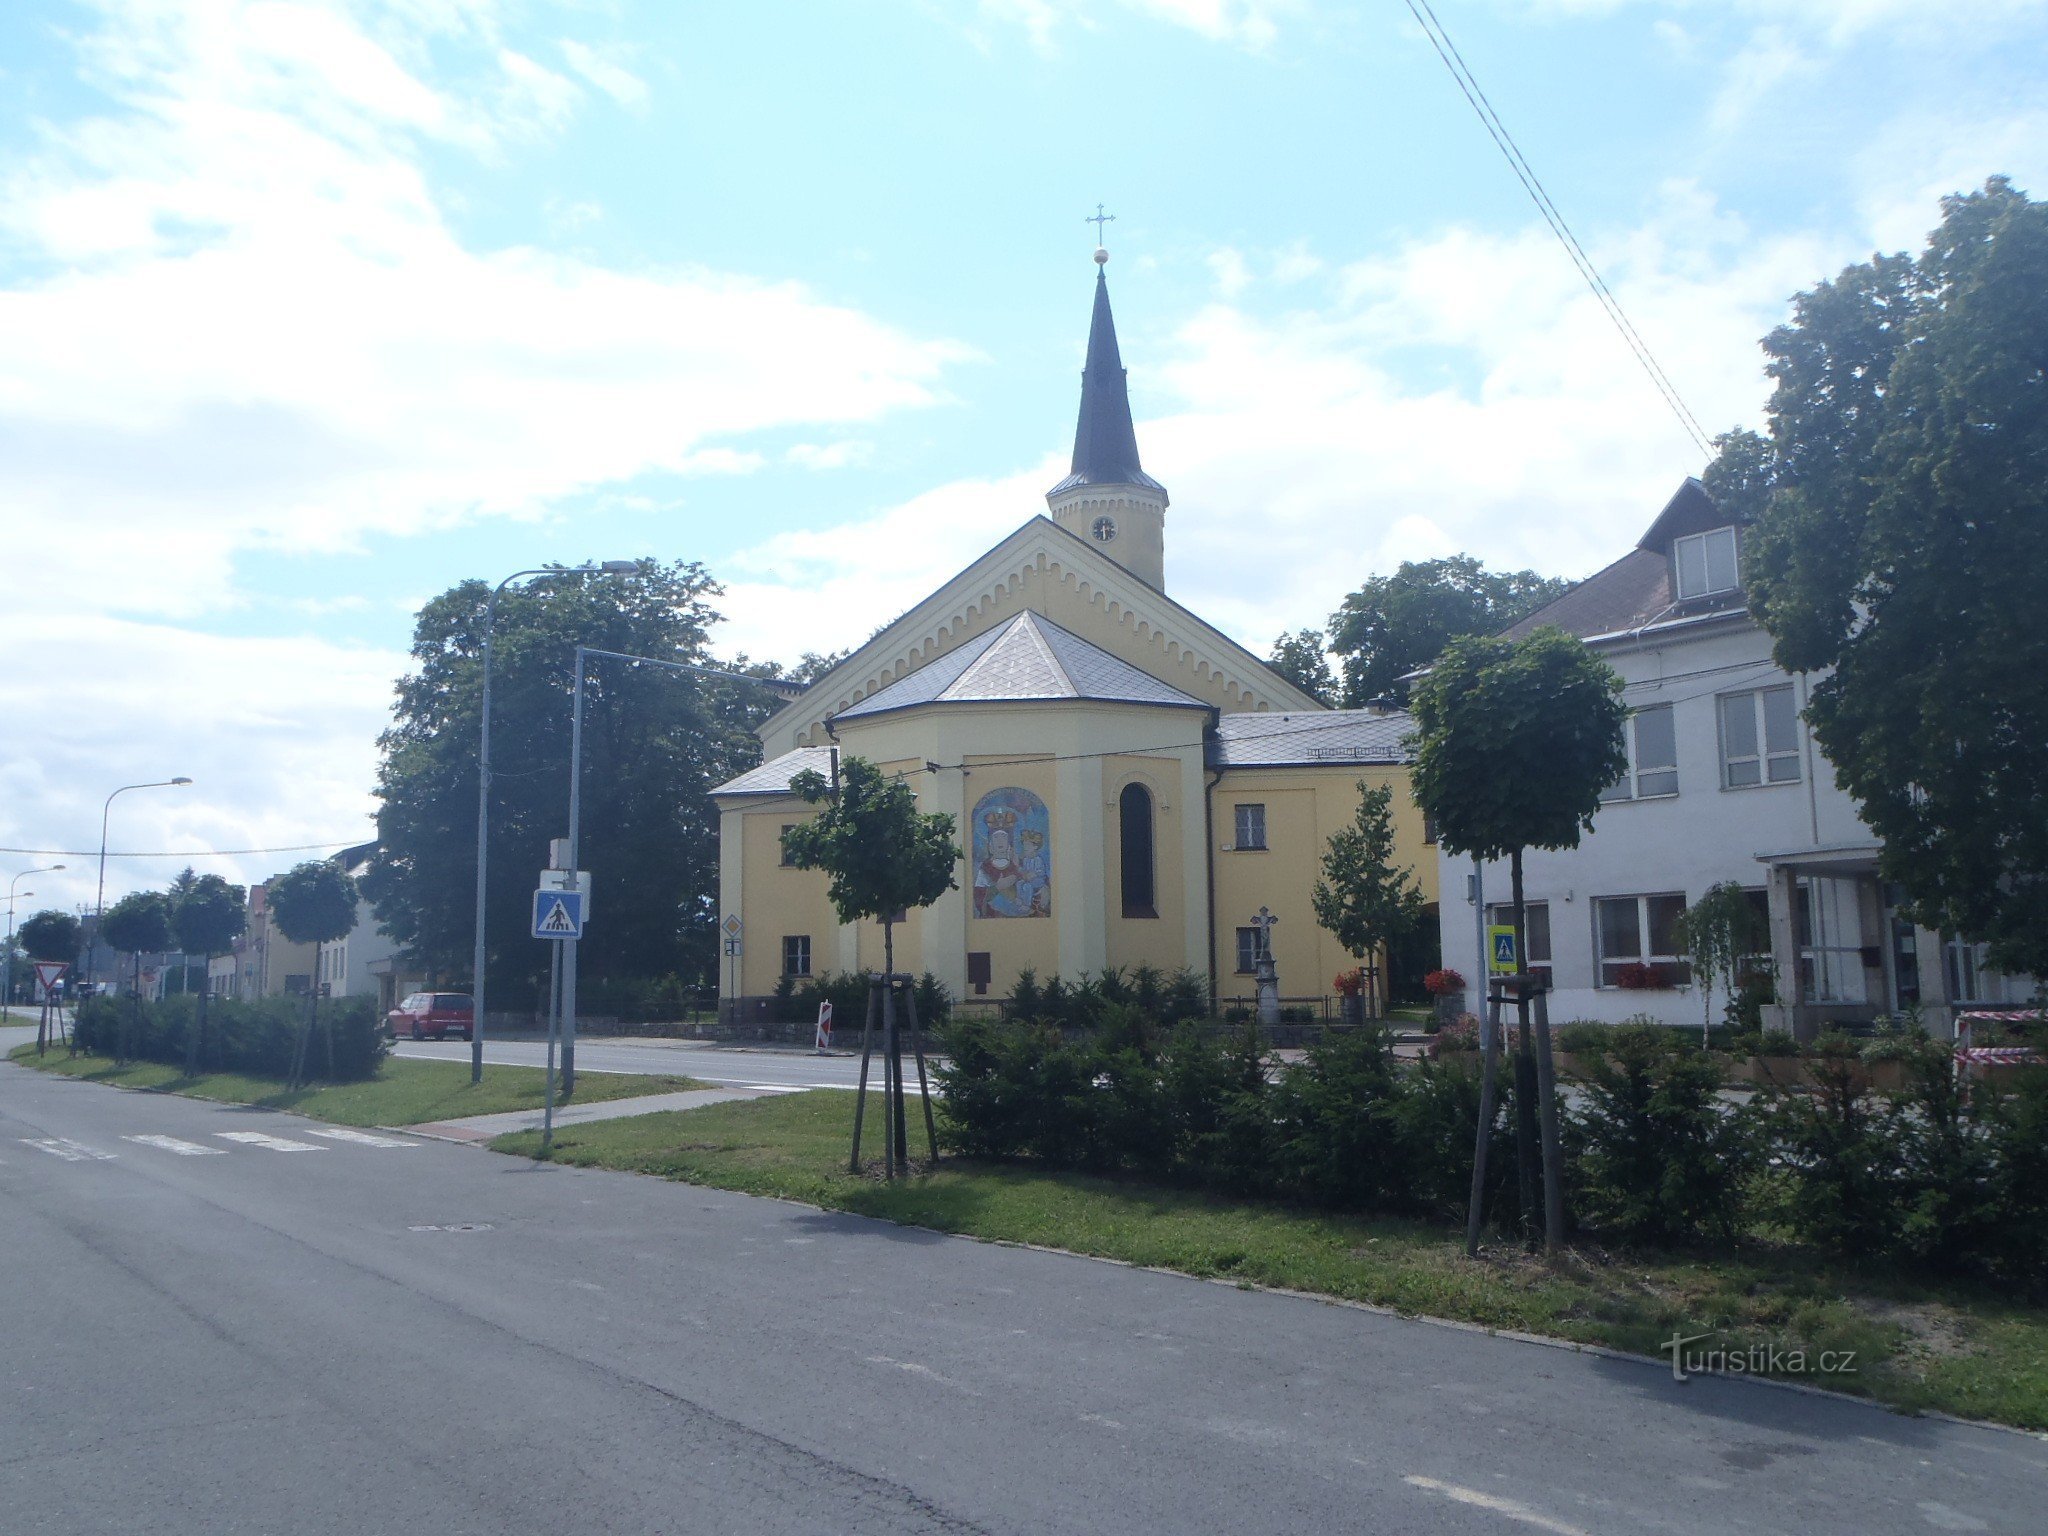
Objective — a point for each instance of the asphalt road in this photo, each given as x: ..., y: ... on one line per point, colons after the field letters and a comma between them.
x: 422, y: 1337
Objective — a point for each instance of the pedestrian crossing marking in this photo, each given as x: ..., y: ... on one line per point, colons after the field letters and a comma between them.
x: 182, y: 1148
x: 64, y: 1147
x: 360, y: 1138
x: 269, y: 1143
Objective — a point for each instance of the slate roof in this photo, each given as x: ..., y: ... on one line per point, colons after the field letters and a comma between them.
x: 1299, y: 740
x: 1030, y: 657
x: 773, y: 777
x: 1105, y: 443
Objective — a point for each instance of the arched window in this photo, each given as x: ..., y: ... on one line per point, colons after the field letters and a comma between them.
x: 1134, y: 815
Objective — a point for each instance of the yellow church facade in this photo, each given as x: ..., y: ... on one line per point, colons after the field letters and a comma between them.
x: 1129, y: 785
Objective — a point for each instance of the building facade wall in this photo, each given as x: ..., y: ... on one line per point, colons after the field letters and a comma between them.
x: 1807, y: 830
x: 1303, y: 807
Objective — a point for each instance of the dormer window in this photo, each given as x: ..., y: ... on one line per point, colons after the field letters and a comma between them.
x: 1705, y: 563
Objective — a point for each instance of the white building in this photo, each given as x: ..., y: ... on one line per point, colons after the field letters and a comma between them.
x: 1725, y: 783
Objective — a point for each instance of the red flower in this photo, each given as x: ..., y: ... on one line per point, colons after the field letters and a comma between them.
x: 1439, y: 982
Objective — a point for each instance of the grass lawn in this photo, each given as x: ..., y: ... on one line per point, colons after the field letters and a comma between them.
x: 404, y: 1091
x: 1953, y: 1348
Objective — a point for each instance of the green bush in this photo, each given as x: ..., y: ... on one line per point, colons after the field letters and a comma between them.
x: 1658, y: 1156
x: 1838, y: 1162
x: 257, y: 1037
x: 1339, y: 1141
x: 1167, y: 997
x: 1436, y: 1124
x: 1579, y: 1037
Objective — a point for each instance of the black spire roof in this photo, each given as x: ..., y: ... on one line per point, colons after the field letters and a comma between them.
x: 1105, y: 445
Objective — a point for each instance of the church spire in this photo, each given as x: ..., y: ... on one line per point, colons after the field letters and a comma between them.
x: 1107, y: 497
x: 1105, y: 442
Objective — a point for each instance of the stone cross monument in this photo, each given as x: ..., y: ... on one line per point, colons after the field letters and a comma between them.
x: 1265, y: 975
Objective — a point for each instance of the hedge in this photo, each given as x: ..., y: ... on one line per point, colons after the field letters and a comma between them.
x: 256, y: 1037
x: 1947, y: 1175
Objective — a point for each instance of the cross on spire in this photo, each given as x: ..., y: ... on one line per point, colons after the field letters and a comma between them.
x: 1098, y: 219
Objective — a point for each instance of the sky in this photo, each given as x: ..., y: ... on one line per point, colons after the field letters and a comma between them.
x: 310, y: 309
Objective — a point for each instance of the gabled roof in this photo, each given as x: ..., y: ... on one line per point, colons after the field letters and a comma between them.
x: 1030, y: 657
x: 1105, y: 442
x: 1040, y: 544
x: 1331, y: 736
x: 773, y: 777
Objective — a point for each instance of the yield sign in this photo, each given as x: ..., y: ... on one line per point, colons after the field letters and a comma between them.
x: 49, y: 973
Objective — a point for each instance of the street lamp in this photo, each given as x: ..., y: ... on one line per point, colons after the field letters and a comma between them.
x: 7, y: 959
x: 99, y: 903
x: 483, y: 787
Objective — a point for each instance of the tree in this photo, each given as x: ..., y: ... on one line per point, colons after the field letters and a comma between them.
x: 1716, y: 933
x: 51, y: 935
x: 1516, y: 741
x: 207, y: 916
x: 1900, y: 551
x: 1393, y: 625
x: 138, y: 923
x: 883, y: 857
x: 313, y: 903
x: 1361, y: 899
x: 655, y: 742
x: 1299, y: 658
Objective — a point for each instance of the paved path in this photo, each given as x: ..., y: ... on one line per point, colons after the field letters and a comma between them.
x: 229, y: 1319
x: 480, y: 1128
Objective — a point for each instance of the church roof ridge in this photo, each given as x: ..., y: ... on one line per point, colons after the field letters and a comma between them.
x: 1024, y: 658
x: 1105, y: 441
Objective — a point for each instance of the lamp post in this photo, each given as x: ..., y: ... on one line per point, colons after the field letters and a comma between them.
x: 483, y: 788
x: 7, y: 958
x: 99, y: 902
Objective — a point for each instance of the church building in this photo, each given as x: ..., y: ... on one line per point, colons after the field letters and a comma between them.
x: 1130, y: 785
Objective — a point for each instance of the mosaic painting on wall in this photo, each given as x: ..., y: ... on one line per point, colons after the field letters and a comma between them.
x: 1012, y: 855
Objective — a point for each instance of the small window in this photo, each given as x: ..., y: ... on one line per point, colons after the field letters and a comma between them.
x: 796, y: 954
x: 1759, y: 738
x: 1705, y: 563
x: 1536, y: 916
x: 1651, y: 741
x: 1638, y: 941
x: 1251, y: 827
x: 1248, y: 950
x: 783, y: 837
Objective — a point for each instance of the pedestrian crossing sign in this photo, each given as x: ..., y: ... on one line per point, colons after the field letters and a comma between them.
x: 1500, y: 943
x: 558, y: 914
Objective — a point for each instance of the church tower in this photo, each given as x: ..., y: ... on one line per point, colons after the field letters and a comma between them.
x: 1108, y: 499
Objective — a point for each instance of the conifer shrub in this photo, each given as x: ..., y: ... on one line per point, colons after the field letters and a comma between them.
x: 1659, y: 1157
x: 1338, y: 1136
x: 257, y: 1036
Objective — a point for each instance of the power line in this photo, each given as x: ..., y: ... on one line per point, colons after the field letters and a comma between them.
x: 1468, y: 85
x: 193, y: 853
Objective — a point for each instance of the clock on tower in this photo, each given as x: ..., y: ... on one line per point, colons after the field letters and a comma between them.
x: 1104, y: 529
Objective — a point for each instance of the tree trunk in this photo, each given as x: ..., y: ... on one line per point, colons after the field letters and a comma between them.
x: 1525, y: 1078
x: 899, y: 1116
x: 194, y: 1045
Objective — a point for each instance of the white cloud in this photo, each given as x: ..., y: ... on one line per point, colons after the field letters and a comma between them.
x: 830, y: 455
x: 1769, y: 59
x: 607, y: 74
x: 253, y: 328
x: 278, y: 735
x: 1252, y: 24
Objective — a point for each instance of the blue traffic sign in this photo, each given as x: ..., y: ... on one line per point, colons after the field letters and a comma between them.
x: 558, y: 914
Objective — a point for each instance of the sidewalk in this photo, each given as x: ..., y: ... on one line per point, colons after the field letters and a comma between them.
x: 477, y: 1129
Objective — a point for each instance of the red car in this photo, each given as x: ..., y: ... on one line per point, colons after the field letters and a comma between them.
x: 433, y: 1014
